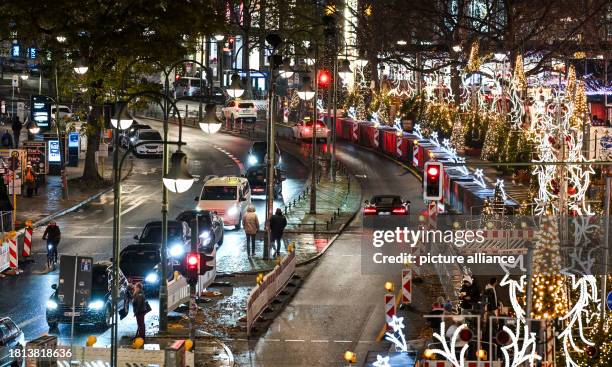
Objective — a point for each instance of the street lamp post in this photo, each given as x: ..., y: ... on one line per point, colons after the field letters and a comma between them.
x: 315, y: 115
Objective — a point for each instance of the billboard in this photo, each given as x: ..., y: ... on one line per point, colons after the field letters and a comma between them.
x: 41, y: 111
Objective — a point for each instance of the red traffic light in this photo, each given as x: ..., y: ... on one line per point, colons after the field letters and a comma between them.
x: 324, y: 78
x: 433, y: 171
x: 177, y: 77
x: 193, y: 259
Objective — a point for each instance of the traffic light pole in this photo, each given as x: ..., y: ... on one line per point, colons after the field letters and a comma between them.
x: 193, y: 307
x: 313, y: 168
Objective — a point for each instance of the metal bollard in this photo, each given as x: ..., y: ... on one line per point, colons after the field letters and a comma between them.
x: 338, y: 210
x: 314, y: 226
x: 327, y: 225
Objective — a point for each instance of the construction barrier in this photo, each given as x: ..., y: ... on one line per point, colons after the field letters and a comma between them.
x: 4, y: 257
x: 12, y: 241
x: 178, y: 289
x: 407, y: 286
x: 389, y: 309
x: 273, y: 283
x: 27, y: 240
x: 512, y: 234
x: 435, y: 363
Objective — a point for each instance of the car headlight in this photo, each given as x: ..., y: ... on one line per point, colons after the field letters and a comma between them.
x: 232, y: 211
x: 151, y: 278
x: 205, y: 234
x: 252, y: 159
x: 176, y: 250
x: 96, y: 305
x: 132, y: 139
x: 52, y: 305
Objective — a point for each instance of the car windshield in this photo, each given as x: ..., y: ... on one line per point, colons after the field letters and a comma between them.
x: 256, y: 174
x: 149, y: 135
x: 386, y: 200
x: 219, y: 193
x: 99, y: 280
x: 153, y: 233
x: 246, y: 105
x: 137, y: 263
x: 259, y: 149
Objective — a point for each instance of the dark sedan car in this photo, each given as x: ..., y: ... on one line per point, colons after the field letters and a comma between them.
x: 209, y: 224
x: 257, y: 180
x: 97, y: 311
x: 179, y: 237
x: 141, y: 262
x: 386, y: 205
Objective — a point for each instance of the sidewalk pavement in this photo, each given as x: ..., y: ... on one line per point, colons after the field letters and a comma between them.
x: 49, y: 199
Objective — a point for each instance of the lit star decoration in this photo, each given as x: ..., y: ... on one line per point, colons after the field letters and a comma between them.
x: 500, y: 185
x: 397, y: 335
x: 434, y: 138
x: 479, y: 178
x: 381, y: 361
x: 397, y: 124
x: 352, y: 113
x: 417, y: 131
x: 375, y: 119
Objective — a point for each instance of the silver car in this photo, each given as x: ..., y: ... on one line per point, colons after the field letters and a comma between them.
x: 12, y: 340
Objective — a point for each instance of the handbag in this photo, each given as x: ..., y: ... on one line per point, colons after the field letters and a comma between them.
x: 147, y: 307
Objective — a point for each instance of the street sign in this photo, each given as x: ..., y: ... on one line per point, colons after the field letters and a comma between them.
x: 609, y: 301
x: 74, y: 289
x: 15, y: 80
x: 54, y: 151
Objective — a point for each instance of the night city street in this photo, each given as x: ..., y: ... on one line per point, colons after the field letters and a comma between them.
x: 203, y: 183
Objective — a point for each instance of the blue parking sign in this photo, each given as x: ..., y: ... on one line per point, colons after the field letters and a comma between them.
x: 609, y: 301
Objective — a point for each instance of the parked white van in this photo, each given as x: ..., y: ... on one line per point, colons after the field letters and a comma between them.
x: 229, y: 196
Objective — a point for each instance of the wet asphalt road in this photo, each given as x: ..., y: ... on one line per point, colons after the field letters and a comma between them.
x: 88, y: 231
x: 338, y: 307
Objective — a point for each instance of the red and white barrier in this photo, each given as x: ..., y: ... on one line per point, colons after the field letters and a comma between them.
x: 12, y: 251
x: 432, y: 214
x: 415, y: 155
x: 398, y: 145
x: 550, y: 342
x: 4, y: 257
x: 512, y: 234
x: 407, y: 286
x: 355, y: 131
x: 436, y: 363
x: 376, y: 138
x: 273, y: 283
x: 389, y: 308
x: 27, y: 242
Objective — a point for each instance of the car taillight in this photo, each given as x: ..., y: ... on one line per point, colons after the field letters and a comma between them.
x: 307, y: 129
x: 399, y: 211
x: 319, y: 125
x: 369, y: 210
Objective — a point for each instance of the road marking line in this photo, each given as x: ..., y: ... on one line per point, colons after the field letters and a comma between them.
x: 136, y: 204
x: 272, y: 340
x: 90, y: 237
x: 319, y: 341
x: 294, y: 340
x: 342, y: 341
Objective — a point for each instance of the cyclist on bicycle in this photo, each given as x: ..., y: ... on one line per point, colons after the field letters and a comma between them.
x: 53, y: 235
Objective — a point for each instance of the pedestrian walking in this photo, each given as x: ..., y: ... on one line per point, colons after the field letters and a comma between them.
x: 141, y: 307
x: 278, y: 222
x: 469, y: 294
x: 250, y: 223
x: 16, y: 127
x: 30, y: 180
x: 53, y: 235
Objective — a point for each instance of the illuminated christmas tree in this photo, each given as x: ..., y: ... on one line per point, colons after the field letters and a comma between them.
x: 519, y: 73
x: 549, y: 299
x: 474, y: 60
x: 580, y: 115
x: 571, y: 82
x: 458, y: 135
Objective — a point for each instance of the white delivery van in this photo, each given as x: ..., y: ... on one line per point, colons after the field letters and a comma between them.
x: 229, y: 196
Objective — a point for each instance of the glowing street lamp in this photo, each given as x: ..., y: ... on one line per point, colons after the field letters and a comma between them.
x: 122, y: 119
x: 32, y: 127
x: 80, y: 67
x: 345, y: 69
x: 286, y: 71
x: 25, y: 75
x: 305, y: 92
x: 178, y: 179
x: 219, y: 37
x: 235, y: 90
x: 210, y: 124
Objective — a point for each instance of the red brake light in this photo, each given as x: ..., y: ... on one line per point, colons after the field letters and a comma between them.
x: 433, y: 171
x: 399, y: 211
x: 307, y: 129
x: 369, y: 210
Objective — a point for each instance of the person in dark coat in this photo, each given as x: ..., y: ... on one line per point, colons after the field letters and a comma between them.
x: 140, y: 309
x: 469, y: 294
x: 53, y: 235
x: 6, y: 140
x: 16, y: 127
x: 278, y: 222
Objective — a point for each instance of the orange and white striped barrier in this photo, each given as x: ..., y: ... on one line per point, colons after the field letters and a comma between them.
x: 407, y: 286
x: 27, y: 239
x: 512, y: 234
x: 12, y: 241
x: 389, y: 308
x: 415, y: 154
x: 398, y: 145
x: 432, y: 214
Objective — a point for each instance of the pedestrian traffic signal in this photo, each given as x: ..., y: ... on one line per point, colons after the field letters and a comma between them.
x: 204, y: 265
x: 324, y: 78
x: 192, y: 267
x: 432, y: 181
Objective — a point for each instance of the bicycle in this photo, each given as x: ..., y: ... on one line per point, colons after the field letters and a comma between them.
x: 51, y: 255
